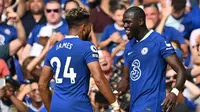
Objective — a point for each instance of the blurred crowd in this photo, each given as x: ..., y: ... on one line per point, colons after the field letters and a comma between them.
x: 28, y: 27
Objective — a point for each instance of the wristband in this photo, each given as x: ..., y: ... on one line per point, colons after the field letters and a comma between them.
x: 115, y: 105
x: 175, y: 91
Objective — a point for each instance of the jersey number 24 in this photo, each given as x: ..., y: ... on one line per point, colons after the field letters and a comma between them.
x: 71, y: 73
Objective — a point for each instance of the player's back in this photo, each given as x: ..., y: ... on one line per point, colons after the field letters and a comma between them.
x: 69, y: 59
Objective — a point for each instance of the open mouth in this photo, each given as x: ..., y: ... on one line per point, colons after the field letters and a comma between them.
x: 105, y: 64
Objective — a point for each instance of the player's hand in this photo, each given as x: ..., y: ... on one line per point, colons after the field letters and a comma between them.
x: 169, y: 103
x: 56, y: 37
x: 116, y: 38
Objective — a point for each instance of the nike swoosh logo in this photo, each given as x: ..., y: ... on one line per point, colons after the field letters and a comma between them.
x: 130, y: 53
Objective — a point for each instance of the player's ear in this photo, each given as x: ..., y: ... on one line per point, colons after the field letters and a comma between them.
x: 82, y: 27
x: 141, y: 21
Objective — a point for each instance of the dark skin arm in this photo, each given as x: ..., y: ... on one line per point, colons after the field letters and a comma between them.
x: 170, y: 101
x: 45, y: 78
x: 124, y: 83
x: 102, y: 82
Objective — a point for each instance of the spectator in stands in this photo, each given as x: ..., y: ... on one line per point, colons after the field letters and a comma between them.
x: 18, y: 5
x: 34, y: 16
x: 36, y: 104
x: 100, y: 17
x: 54, y: 24
x: 177, y: 14
x: 191, y: 20
x: 12, y: 45
x: 70, y: 4
x: 152, y: 16
x: 8, y: 101
x: 114, y: 34
x: 101, y: 103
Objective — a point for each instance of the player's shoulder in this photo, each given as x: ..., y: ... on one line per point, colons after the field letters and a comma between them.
x: 86, y: 43
x: 157, y: 38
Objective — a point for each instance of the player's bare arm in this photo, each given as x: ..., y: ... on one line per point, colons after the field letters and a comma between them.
x: 45, y: 78
x: 170, y: 101
x: 103, y: 85
x: 124, y: 83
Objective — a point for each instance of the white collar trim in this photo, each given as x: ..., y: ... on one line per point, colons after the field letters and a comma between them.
x: 117, y: 27
x: 71, y: 36
x: 146, y: 36
x: 55, y: 26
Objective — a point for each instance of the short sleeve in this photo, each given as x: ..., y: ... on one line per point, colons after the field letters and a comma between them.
x: 187, y: 25
x: 30, y: 39
x: 91, y: 54
x: 33, y: 36
x: 47, y: 60
x: 125, y: 56
x: 105, y: 35
x: 166, y: 48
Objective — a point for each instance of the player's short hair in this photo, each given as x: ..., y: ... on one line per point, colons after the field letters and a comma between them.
x: 77, y: 17
x: 137, y: 12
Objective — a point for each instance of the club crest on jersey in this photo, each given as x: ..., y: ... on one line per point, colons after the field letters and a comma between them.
x: 144, y: 51
x: 7, y: 31
x: 135, y: 72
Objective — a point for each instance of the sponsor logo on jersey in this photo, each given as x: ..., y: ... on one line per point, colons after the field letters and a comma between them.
x: 135, y: 72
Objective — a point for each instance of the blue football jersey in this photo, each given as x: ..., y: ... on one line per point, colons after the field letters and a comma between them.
x: 34, y: 35
x: 147, y: 65
x: 7, y: 33
x: 108, y: 31
x: 68, y: 59
x: 172, y: 34
x: 191, y: 21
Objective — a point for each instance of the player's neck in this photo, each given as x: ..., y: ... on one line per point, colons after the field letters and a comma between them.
x: 73, y: 31
x: 142, y: 33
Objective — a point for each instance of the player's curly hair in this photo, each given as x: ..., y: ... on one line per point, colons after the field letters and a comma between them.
x: 77, y: 17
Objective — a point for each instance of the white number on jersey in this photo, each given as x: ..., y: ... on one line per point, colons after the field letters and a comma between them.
x: 71, y: 73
